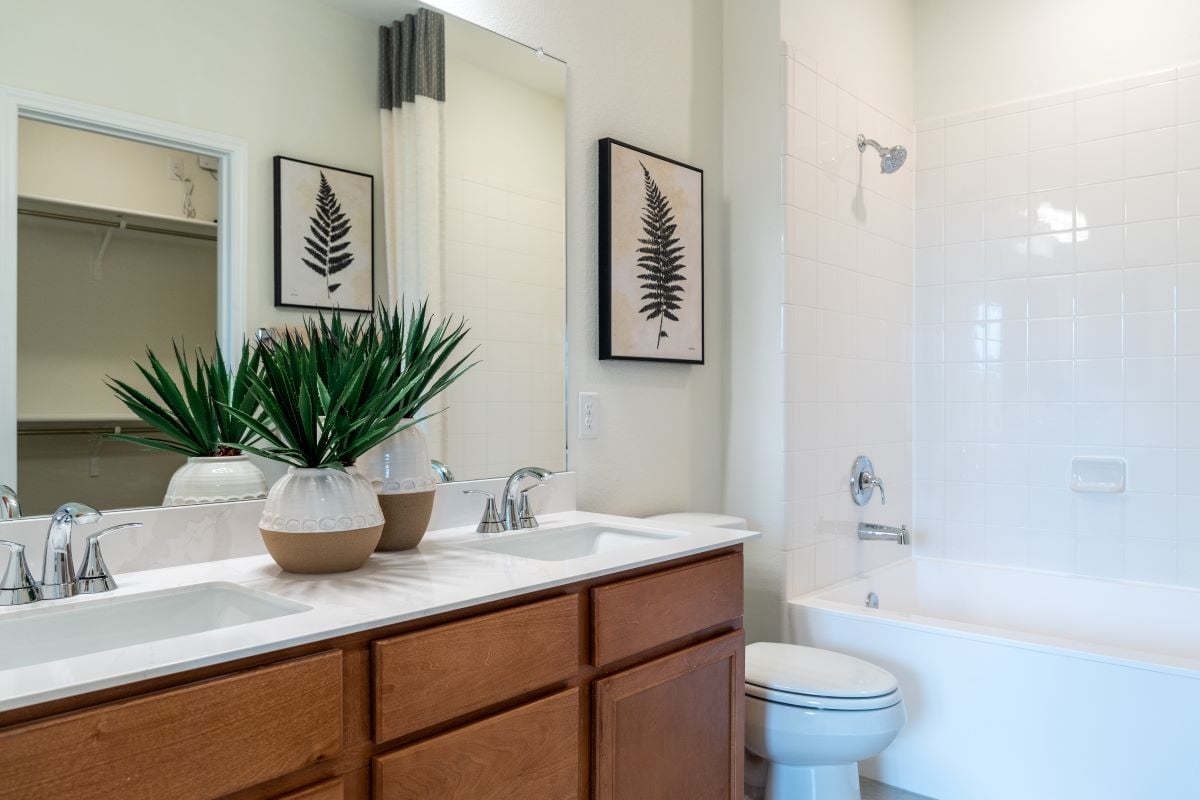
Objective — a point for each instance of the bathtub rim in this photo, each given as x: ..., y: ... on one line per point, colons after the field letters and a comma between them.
x: 1056, y: 645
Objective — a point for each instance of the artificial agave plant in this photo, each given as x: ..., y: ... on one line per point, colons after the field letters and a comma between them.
x: 200, y: 414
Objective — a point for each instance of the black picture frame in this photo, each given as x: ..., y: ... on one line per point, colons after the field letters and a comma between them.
x: 606, y: 253
x: 281, y: 286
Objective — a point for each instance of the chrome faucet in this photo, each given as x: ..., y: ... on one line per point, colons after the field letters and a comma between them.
x: 445, y: 475
x: 869, y: 531
x: 10, y: 506
x: 58, y: 568
x: 516, y: 514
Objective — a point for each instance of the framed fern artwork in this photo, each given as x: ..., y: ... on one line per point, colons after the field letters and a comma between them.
x: 324, y: 236
x: 651, y: 256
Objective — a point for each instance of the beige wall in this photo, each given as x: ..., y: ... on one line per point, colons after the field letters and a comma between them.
x: 976, y: 53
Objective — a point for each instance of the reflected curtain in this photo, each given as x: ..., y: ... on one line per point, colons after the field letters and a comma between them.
x: 412, y: 90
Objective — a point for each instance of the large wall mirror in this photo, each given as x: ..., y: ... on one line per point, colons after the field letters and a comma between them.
x: 143, y: 208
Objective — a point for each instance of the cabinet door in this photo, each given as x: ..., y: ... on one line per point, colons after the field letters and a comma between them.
x: 529, y: 753
x: 672, y: 727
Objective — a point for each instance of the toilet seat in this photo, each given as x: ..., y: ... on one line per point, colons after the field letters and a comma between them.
x: 824, y: 703
x: 808, y: 677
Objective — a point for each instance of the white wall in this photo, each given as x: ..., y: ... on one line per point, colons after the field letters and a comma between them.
x: 661, y: 446
x: 291, y: 77
x: 505, y: 270
x: 827, y: 250
x: 1058, y: 310
x: 847, y: 326
x: 754, y: 460
x: 865, y: 46
x: 976, y: 53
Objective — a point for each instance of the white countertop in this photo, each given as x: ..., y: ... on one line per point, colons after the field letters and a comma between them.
x: 441, y: 575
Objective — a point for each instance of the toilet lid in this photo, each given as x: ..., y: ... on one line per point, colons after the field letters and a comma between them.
x: 795, y: 669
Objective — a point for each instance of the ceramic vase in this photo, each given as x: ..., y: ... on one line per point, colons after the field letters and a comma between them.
x: 320, y: 521
x: 399, y: 473
x: 215, y: 479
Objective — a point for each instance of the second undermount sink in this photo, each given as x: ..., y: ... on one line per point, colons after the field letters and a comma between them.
x: 46, y: 632
x: 575, y: 541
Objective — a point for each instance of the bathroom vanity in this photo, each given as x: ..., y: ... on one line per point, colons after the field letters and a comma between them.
x: 560, y: 688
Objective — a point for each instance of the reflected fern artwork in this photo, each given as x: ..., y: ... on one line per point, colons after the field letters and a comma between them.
x: 324, y: 236
x: 661, y: 259
x: 326, y: 242
x: 651, y: 256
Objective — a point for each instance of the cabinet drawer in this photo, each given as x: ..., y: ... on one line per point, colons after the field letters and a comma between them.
x: 640, y: 613
x: 329, y: 790
x: 197, y: 741
x: 528, y: 752
x: 435, y: 675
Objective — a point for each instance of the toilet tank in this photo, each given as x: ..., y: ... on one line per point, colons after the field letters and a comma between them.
x: 698, y: 518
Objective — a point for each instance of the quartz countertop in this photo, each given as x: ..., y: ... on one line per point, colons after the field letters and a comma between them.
x: 443, y: 574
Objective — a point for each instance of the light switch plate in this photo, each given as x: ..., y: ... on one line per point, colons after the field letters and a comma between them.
x: 589, y: 415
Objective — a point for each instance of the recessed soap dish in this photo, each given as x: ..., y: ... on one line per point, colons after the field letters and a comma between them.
x: 1102, y: 475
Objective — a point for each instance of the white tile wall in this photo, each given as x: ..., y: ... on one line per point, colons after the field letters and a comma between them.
x: 505, y: 275
x: 1057, y: 272
x: 847, y: 315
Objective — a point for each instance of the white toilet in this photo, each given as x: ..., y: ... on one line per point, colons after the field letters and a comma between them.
x: 811, y: 715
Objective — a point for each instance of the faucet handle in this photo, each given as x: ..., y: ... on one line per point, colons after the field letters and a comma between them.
x: 864, y: 481
x: 525, y: 508
x: 490, y: 522
x: 10, y: 506
x: 17, y: 587
x: 94, y: 576
x: 877, y: 482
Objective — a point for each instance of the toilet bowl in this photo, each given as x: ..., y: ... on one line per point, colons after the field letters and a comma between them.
x: 812, y: 715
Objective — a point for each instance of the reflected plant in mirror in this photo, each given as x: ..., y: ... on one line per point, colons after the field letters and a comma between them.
x: 399, y: 468
x: 193, y: 415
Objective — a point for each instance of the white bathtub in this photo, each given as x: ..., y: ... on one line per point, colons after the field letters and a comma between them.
x: 1024, y: 685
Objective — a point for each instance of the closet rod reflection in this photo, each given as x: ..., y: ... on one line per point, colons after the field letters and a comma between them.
x: 108, y: 223
x: 82, y: 431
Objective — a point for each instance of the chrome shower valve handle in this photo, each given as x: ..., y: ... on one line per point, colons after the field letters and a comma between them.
x: 864, y: 482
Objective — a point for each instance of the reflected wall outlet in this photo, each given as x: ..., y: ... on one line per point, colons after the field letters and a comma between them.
x: 589, y: 415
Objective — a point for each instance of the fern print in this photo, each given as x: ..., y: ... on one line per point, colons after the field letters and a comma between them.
x: 661, y: 259
x: 327, y: 240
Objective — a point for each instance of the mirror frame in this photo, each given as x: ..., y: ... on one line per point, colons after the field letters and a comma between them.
x: 232, y: 271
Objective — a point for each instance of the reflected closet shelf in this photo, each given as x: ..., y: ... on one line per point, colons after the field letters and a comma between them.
x: 104, y: 216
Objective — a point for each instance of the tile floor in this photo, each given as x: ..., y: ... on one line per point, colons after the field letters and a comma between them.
x: 873, y: 790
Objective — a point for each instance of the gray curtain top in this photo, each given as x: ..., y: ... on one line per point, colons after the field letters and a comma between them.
x: 412, y: 59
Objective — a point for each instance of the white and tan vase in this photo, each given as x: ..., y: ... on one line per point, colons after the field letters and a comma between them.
x: 320, y: 521
x: 215, y: 479
x: 399, y: 472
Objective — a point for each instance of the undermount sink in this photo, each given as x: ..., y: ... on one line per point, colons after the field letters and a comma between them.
x: 576, y: 541
x: 41, y: 634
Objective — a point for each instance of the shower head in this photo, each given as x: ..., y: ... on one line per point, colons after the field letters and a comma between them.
x: 890, y: 158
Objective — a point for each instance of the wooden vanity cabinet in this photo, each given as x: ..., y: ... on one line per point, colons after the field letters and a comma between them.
x: 627, y: 687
